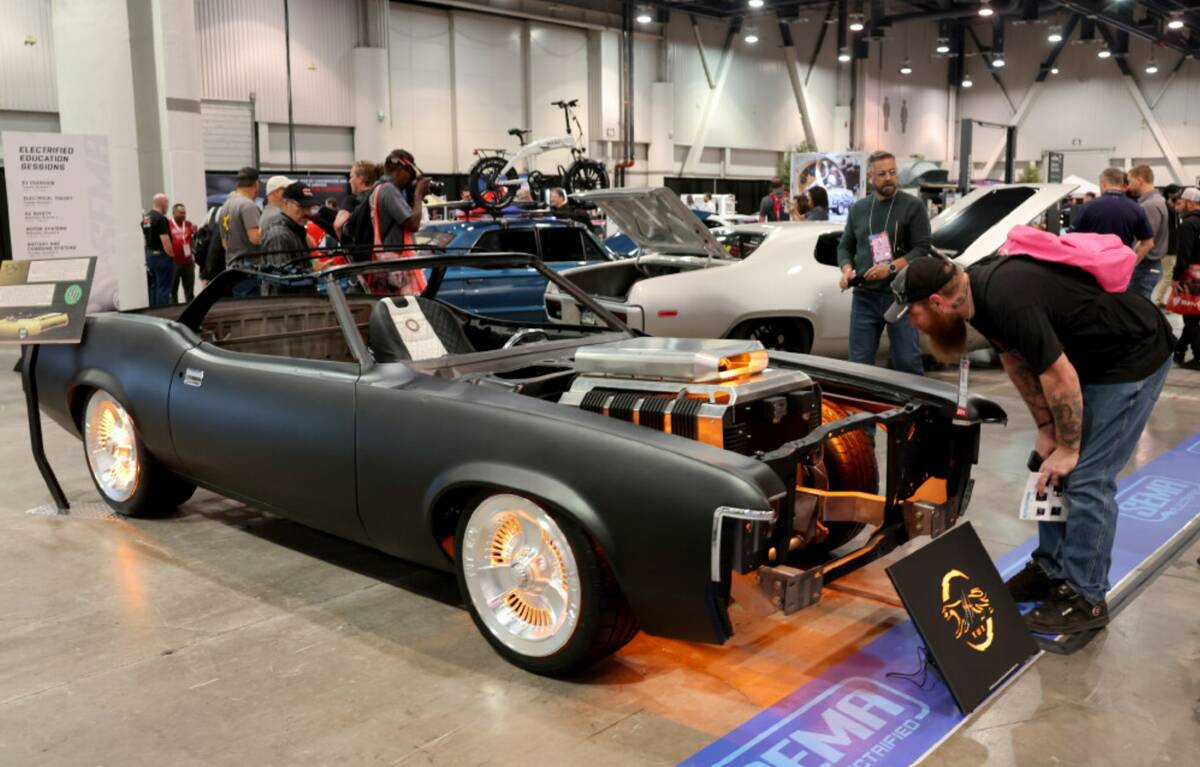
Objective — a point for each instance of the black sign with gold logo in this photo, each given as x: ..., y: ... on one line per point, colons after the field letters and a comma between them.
x: 964, y: 613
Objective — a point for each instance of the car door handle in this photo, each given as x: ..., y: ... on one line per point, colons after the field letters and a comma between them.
x: 192, y: 377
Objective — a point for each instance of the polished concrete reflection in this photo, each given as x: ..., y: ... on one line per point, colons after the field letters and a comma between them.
x: 223, y: 636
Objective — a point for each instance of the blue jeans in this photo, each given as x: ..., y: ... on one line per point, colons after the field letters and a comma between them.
x: 1145, y: 278
x: 866, y: 326
x: 1080, y: 549
x: 161, y: 268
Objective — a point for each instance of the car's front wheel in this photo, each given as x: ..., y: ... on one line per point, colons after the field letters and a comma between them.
x: 131, y: 481
x: 538, y: 589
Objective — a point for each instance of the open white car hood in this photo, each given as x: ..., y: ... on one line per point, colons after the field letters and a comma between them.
x: 656, y: 220
x: 978, y: 224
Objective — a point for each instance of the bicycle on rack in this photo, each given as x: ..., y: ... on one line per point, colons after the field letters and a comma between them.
x: 494, y: 179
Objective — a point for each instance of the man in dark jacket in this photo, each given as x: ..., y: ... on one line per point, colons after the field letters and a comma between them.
x: 1188, y: 253
x: 285, y: 239
x: 885, y: 231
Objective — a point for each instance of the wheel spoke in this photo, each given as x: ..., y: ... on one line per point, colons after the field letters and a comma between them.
x: 553, y: 599
x: 497, y: 579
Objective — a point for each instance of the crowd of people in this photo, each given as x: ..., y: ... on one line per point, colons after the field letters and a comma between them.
x: 389, y: 199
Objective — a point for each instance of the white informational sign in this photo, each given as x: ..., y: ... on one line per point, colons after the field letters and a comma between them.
x: 840, y: 173
x: 60, y: 204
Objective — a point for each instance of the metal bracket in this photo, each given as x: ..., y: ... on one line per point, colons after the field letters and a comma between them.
x: 924, y: 518
x: 790, y: 589
x: 29, y: 355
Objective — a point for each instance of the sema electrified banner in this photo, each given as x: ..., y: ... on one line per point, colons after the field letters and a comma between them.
x: 60, y: 203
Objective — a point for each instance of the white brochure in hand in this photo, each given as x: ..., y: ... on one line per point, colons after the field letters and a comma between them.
x: 1049, y: 506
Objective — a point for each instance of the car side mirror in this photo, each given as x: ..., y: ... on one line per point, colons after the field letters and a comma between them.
x: 827, y: 248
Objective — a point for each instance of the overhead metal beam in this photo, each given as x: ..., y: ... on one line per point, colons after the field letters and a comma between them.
x: 1099, y: 12
x: 1139, y: 99
x: 991, y: 70
x: 700, y: 137
x: 793, y: 68
x: 700, y: 49
x: 1032, y: 94
x: 1170, y: 79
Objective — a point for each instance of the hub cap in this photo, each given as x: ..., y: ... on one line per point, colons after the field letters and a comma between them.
x: 111, y: 446
x: 521, y: 575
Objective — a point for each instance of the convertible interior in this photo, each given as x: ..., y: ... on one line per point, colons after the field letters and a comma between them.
x: 430, y: 335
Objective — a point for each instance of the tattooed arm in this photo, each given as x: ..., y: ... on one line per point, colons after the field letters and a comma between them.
x: 1060, y: 386
x: 1029, y: 386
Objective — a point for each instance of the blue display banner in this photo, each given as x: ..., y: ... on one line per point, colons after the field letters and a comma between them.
x: 857, y: 714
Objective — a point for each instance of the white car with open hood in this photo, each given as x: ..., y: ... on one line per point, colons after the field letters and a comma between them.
x: 785, y: 292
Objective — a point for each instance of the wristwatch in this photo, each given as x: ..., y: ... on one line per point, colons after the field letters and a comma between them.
x: 891, y: 267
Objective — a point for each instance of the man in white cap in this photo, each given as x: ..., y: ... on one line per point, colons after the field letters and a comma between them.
x: 274, y: 204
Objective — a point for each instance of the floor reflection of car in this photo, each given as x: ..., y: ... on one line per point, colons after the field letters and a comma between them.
x: 517, y: 292
x: 692, y: 282
x: 579, y: 482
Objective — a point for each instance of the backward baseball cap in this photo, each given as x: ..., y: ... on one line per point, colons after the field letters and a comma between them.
x: 918, y: 281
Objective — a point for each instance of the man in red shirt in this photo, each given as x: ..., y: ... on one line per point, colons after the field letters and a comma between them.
x: 182, y: 234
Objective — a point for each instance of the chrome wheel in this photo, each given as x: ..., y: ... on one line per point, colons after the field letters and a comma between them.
x: 521, y: 575
x: 112, y: 450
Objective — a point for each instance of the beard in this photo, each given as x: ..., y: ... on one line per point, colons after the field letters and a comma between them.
x: 947, y: 337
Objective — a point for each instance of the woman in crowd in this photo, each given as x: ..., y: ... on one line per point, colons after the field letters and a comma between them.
x: 818, y: 209
x: 798, y: 208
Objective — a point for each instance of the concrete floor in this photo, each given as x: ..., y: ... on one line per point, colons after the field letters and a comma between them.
x: 222, y: 636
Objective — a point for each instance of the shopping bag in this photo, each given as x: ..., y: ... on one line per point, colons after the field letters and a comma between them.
x: 1185, y: 295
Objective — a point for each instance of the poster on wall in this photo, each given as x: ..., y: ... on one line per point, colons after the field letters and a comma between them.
x: 60, y: 204
x: 839, y: 173
x: 324, y: 186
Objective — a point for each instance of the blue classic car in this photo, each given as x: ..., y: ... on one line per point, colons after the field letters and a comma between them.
x: 513, y: 294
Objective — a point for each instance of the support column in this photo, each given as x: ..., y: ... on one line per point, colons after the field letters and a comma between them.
x: 180, y: 132
x: 372, y: 115
x: 96, y: 96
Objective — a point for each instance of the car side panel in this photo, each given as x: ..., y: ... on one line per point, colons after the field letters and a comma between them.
x: 131, y: 356
x: 646, y: 498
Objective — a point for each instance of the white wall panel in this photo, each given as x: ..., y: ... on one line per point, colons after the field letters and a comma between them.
x: 419, y: 54
x: 558, y: 71
x: 242, y: 51
x: 228, y: 135
x: 489, y: 89
x: 27, y: 70
x: 906, y: 114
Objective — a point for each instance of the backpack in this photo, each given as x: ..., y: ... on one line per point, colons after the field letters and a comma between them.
x: 1103, y: 256
x: 200, y: 244
x: 358, y: 233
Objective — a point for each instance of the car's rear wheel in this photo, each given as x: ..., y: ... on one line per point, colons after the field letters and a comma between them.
x: 785, y: 334
x: 851, y: 466
x: 130, y: 480
x: 540, y: 592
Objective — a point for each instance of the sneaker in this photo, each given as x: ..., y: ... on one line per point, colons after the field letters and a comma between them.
x: 1067, y: 612
x: 1031, y: 584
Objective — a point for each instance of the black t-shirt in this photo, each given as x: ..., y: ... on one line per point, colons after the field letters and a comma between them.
x: 1039, y: 310
x: 352, y: 201
x: 154, y: 225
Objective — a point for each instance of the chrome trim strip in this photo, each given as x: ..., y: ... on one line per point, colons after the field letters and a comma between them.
x: 729, y: 512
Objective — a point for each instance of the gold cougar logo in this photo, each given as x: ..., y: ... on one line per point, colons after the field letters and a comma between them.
x: 968, y: 607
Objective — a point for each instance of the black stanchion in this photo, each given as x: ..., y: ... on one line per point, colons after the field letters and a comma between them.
x: 29, y: 355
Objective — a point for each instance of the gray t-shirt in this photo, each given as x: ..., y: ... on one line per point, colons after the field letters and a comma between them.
x: 269, y: 213
x: 393, y: 211
x: 1156, y: 210
x: 238, y: 217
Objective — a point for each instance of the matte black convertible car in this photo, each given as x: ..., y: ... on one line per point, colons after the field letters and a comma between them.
x: 583, y: 482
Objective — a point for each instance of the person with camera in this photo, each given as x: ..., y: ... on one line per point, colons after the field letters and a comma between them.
x: 395, y: 220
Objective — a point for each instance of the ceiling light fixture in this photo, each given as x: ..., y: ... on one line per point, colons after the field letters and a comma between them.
x: 1053, y: 70
x: 943, y: 45
x: 751, y: 37
x: 998, y: 61
x: 985, y: 10
x: 1055, y: 35
x: 755, y: 3
x: 967, y: 81
x: 843, y: 56
x: 906, y: 67
x: 856, y: 23
x: 1151, y: 66
x: 1176, y: 22
x: 644, y: 18
x: 1104, y: 53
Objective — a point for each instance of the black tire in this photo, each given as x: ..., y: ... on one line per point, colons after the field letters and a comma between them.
x: 851, y: 466
x: 488, y: 189
x: 785, y: 334
x: 156, y: 491
x: 605, y: 621
x: 586, y: 176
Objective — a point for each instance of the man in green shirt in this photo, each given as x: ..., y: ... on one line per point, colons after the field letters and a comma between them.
x: 884, y: 232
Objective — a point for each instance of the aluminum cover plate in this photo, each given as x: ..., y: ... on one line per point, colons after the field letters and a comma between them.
x: 697, y: 360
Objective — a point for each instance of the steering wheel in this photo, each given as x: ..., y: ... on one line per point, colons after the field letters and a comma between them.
x: 522, y: 334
